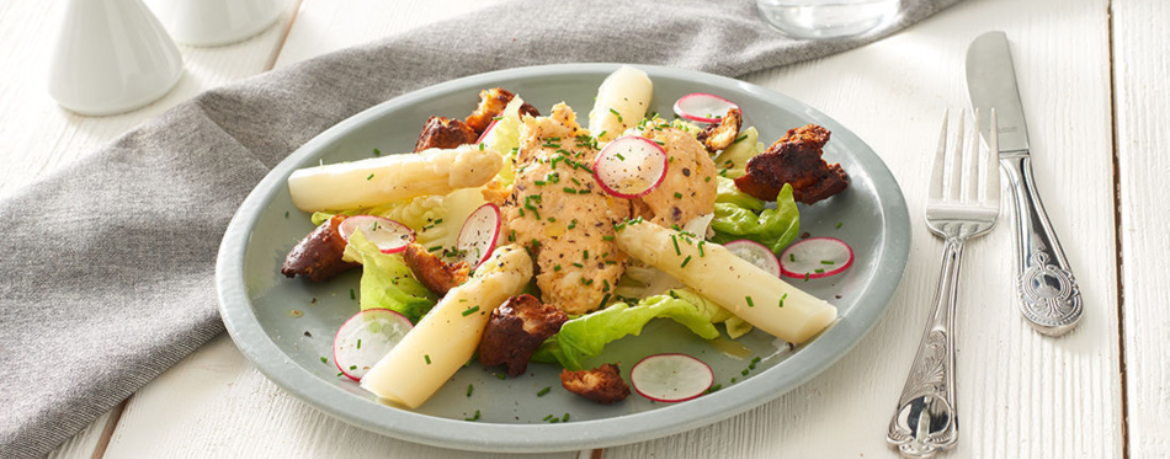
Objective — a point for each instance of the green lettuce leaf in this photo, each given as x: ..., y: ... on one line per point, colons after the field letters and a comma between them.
x: 387, y: 282
x: 775, y: 228
x: 587, y: 335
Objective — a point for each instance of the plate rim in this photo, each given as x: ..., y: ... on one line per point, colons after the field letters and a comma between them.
x: 245, y: 329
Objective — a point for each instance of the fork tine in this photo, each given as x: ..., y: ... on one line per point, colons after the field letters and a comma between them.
x: 991, y: 179
x: 940, y: 158
x: 971, y: 160
x: 955, y: 160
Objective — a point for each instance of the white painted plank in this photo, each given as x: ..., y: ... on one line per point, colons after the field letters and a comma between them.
x: 1011, y: 377
x: 1020, y: 394
x: 82, y: 445
x: 40, y: 137
x: 215, y: 403
x: 1142, y: 93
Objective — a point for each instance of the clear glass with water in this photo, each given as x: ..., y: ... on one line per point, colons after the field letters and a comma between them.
x: 814, y: 19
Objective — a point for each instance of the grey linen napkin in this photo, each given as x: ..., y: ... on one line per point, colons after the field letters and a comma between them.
x: 106, y: 277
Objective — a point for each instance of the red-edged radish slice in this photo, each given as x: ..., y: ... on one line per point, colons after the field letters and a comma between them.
x: 702, y: 107
x: 389, y: 235
x: 756, y: 253
x: 630, y: 167
x: 671, y: 377
x: 815, y: 258
x: 480, y: 234
x: 483, y: 138
x: 365, y: 338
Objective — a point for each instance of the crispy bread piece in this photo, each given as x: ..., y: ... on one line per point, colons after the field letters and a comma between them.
x: 720, y: 136
x: 603, y: 384
x: 491, y: 104
x: 794, y: 159
x: 318, y: 255
x: 435, y: 274
x: 516, y: 329
x: 444, y: 133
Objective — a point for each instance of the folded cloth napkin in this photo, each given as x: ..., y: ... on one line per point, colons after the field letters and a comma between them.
x: 106, y: 278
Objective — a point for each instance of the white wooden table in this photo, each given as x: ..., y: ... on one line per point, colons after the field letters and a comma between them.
x: 1094, y: 80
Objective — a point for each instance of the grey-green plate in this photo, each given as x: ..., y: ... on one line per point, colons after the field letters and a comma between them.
x: 256, y: 301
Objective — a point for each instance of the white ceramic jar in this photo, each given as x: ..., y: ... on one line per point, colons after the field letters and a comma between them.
x: 215, y: 22
x: 111, y: 56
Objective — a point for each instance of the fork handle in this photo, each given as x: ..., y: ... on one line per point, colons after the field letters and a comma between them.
x: 926, y: 420
x: 1049, y: 296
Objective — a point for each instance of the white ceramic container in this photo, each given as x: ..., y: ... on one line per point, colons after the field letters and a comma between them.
x: 111, y: 56
x: 215, y: 22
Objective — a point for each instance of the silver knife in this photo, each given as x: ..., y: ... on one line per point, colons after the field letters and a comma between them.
x: 1049, y: 296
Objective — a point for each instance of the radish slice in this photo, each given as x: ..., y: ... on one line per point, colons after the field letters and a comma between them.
x: 479, y: 235
x: 816, y: 258
x: 756, y: 253
x: 483, y: 138
x: 389, y: 235
x: 365, y: 338
x: 671, y: 377
x: 702, y: 107
x: 630, y: 167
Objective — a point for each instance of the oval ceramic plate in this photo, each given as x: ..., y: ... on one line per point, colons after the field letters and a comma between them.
x: 295, y: 352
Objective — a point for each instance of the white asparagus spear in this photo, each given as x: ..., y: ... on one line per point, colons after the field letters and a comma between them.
x: 444, y: 340
x: 622, y: 101
x: 749, y: 292
x: 375, y: 181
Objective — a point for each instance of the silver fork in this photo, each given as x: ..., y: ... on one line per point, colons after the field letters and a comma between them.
x: 964, y: 203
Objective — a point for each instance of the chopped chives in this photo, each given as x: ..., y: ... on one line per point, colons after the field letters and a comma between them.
x: 677, y: 195
x: 286, y: 214
x: 750, y: 303
x: 569, y: 190
x: 544, y: 391
x: 324, y: 360
x: 566, y: 418
x: 602, y: 134
x: 377, y: 152
x: 552, y: 219
x: 573, y: 224
x: 352, y: 295
x: 818, y: 271
x: 501, y: 376
x: 556, y: 268
x: 610, y: 262
x: 620, y: 157
x: 470, y: 311
x: 674, y: 239
x: 828, y: 262
x: 806, y: 277
x: 473, y: 418
x: 618, y: 115
x: 701, y: 254
x: 782, y: 297
x: 607, y: 238
x: 579, y: 265
x: 540, y: 182
x: 427, y: 357
x: 353, y: 367
x: 792, y: 257
x: 585, y: 255
x: 708, y: 179
x: 481, y: 146
x: 359, y: 345
x: 684, y: 263
x: 370, y: 177
x: 546, y: 418
x: 740, y: 138
x: 604, y: 300
x: 839, y: 224
x: 470, y: 389
x: 578, y: 182
x: 744, y: 372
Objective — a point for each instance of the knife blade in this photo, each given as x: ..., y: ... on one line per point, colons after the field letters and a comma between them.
x: 991, y: 82
x: 1049, y: 296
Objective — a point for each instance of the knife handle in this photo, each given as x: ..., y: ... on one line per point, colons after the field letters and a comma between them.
x: 1049, y: 296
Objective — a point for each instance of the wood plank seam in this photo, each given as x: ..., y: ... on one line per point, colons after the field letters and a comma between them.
x: 296, y: 9
x: 99, y: 450
x: 1119, y: 256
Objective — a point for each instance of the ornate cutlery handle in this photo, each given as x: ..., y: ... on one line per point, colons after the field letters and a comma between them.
x: 1049, y: 296
x: 926, y: 421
